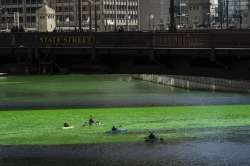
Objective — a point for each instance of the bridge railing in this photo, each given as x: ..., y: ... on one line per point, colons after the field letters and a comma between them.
x: 151, y: 40
x: 124, y: 39
x: 217, y: 82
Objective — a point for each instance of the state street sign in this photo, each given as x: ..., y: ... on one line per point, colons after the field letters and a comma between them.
x: 65, y: 40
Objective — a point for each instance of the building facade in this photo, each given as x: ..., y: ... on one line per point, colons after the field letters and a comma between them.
x: 110, y: 15
x: 248, y: 14
x: 199, y: 13
x: 66, y: 13
x: 96, y: 14
x: 26, y: 9
x: 181, y: 10
x: 234, y: 13
x: 154, y: 14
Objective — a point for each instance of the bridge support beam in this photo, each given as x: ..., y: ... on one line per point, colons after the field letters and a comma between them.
x: 93, y: 55
x: 29, y: 61
x: 212, y: 55
x: 46, y: 62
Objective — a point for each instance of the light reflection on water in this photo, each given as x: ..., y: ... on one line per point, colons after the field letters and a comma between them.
x: 101, y: 91
x: 183, y: 154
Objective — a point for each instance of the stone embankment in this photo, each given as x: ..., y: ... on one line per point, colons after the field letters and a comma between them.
x: 197, y: 83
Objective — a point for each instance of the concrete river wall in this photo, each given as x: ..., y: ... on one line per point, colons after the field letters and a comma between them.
x: 197, y: 83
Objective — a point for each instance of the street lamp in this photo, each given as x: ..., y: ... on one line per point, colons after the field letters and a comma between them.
x: 58, y: 24
x: 115, y: 4
x: 151, y: 18
x: 245, y: 16
x: 240, y: 21
x: 1, y: 15
x: 209, y: 20
x: 172, y: 19
x: 3, y: 18
x: 95, y: 16
x: 92, y: 3
x: 221, y: 11
x: 16, y: 19
x: 6, y: 20
x: 67, y: 22
x: 80, y: 14
x: 227, y: 13
x: 127, y: 21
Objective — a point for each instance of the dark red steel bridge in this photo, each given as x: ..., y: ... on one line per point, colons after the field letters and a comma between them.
x: 207, y: 53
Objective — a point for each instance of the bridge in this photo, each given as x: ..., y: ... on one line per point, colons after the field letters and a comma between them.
x: 204, y: 53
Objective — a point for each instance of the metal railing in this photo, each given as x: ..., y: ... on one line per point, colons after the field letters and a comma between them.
x: 197, y: 83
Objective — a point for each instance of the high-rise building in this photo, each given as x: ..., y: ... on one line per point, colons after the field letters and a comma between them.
x: 233, y: 13
x: 199, y: 13
x: 110, y: 15
x: 154, y: 14
x: 100, y: 14
x: 26, y: 12
x: 181, y: 10
x: 214, y: 14
x: 66, y: 13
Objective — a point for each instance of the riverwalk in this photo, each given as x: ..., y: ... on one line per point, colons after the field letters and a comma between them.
x: 197, y: 83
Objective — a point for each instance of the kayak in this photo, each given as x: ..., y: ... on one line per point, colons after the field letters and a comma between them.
x: 70, y: 127
x: 118, y: 131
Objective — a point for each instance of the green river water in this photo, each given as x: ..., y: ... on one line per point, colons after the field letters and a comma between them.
x: 101, y: 91
x: 220, y: 135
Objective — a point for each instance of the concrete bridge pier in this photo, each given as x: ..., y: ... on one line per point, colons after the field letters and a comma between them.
x: 28, y: 61
x: 155, y: 60
x: 152, y: 55
x: 93, y: 55
x: 46, y: 62
x: 212, y: 55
